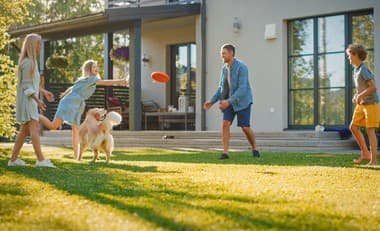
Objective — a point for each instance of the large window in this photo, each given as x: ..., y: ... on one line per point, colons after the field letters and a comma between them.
x: 320, y: 76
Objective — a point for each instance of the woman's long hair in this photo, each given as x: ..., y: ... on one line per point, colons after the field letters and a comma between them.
x: 29, y: 50
x: 87, y: 66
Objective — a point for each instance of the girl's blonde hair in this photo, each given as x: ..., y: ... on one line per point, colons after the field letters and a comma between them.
x: 87, y: 66
x: 29, y: 50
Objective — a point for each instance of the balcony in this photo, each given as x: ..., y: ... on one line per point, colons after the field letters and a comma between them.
x: 144, y: 3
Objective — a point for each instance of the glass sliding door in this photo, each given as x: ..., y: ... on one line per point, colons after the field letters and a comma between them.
x: 183, y: 69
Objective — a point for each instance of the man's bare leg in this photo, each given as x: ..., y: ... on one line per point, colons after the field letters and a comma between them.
x: 226, y: 136
x: 250, y: 136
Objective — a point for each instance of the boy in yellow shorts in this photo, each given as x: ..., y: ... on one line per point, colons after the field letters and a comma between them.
x: 367, y: 111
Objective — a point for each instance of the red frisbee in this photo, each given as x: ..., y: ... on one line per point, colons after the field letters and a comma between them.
x: 160, y: 77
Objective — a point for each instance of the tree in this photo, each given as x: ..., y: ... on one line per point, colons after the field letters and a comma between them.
x: 77, y: 50
x: 11, y: 13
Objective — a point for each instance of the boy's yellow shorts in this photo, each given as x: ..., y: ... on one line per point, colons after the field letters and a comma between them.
x: 367, y: 115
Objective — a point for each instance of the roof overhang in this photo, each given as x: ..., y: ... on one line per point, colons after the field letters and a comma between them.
x: 111, y: 20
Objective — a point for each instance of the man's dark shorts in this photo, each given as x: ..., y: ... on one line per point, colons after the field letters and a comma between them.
x: 243, y: 116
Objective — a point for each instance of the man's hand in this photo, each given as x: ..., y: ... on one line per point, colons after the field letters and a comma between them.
x: 49, y: 96
x: 223, y: 104
x: 207, y: 105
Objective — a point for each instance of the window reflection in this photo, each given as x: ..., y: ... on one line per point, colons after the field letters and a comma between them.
x: 301, y: 36
x: 331, y: 106
x: 302, y: 72
x: 331, y: 70
x: 331, y: 34
x: 302, y: 109
x: 363, y: 30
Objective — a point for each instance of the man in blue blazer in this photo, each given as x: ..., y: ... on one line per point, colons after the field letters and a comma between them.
x: 235, y: 98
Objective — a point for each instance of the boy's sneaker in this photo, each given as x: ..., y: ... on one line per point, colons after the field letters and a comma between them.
x: 17, y: 162
x: 45, y: 163
x: 255, y: 154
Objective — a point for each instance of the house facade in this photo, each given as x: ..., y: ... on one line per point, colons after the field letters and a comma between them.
x: 295, y: 52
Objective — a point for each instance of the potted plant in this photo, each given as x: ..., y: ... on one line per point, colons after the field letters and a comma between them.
x: 120, y: 57
x: 57, y: 65
x: 57, y: 62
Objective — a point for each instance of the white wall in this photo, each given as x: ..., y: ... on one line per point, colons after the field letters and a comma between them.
x: 266, y: 59
x: 199, y: 77
x: 377, y: 43
x: 156, y: 36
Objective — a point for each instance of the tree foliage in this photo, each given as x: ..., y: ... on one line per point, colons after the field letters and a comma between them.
x: 11, y: 13
x: 77, y: 50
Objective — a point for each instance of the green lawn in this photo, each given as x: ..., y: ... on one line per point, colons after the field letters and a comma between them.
x: 185, y: 190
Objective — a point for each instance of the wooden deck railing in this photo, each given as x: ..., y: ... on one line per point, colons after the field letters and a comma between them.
x: 98, y: 99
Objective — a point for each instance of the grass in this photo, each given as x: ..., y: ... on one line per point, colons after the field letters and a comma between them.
x: 188, y: 190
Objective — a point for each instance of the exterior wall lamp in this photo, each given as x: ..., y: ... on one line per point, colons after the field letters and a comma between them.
x: 145, y: 58
x: 236, y: 25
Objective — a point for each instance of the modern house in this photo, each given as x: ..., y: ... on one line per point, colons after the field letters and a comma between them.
x: 294, y: 50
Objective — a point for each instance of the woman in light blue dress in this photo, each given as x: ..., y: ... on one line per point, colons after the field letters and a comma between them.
x: 72, y: 105
x: 28, y: 103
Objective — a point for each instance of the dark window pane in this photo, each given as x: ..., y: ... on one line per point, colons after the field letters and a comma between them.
x: 331, y: 70
x: 184, y: 82
x: 181, y: 70
x: 192, y: 74
x: 331, y: 106
x: 301, y: 107
x: 301, y: 37
x: 301, y: 72
x: 331, y: 34
x: 363, y: 30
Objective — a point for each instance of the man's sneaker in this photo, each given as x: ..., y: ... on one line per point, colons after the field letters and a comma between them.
x: 255, y: 153
x: 45, y: 163
x: 223, y: 156
x: 17, y: 162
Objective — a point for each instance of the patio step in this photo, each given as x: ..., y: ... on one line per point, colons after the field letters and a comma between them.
x: 267, y: 141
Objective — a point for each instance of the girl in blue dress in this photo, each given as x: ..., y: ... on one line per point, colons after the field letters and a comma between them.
x: 72, y: 104
x: 28, y: 101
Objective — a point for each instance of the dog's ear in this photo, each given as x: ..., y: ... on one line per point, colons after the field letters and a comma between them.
x: 97, y: 115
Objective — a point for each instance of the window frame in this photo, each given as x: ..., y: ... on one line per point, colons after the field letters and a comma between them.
x: 349, y: 85
x: 172, y: 100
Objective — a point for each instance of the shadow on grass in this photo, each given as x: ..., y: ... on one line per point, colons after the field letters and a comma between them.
x: 112, y: 184
x: 98, y: 182
x: 91, y: 182
x: 11, y: 207
x: 245, y: 158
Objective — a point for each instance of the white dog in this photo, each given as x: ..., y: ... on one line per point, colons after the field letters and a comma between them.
x: 95, y: 132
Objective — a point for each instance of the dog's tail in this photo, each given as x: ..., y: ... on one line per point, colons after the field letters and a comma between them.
x: 112, y: 119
